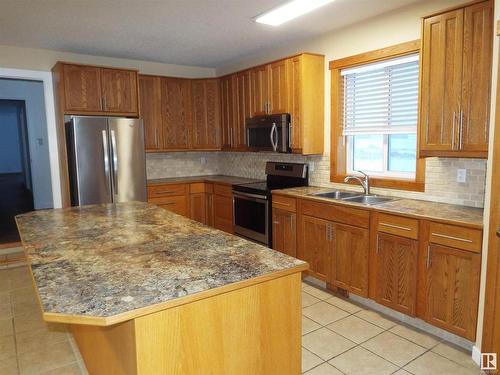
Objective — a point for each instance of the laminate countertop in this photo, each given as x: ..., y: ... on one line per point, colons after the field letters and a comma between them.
x: 220, y: 179
x: 104, y: 264
x: 419, y: 209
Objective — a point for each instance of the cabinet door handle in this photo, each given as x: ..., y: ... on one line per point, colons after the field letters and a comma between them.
x: 104, y: 103
x: 376, y: 248
x: 156, y: 138
x: 452, y: 237
x: 453, y: 131
x: 461, y: 130
x: 276, y: 222
x: 290, y: 134
x: 428, y: 256
x: 395, y: 226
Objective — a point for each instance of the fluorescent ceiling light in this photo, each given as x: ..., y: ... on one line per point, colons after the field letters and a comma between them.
x: 289, y: 11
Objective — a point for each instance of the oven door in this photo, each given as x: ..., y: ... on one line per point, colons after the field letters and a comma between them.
x: 251, y: 217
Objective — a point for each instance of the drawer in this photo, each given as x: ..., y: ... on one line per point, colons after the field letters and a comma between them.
x: 177, y: 204
x: 197, y: 187
x: 454, y: 236
x: 284, y: 203
x: 167, y: 190
x: 398, y: 226
x: 337, y: 213
x: 224, y: 190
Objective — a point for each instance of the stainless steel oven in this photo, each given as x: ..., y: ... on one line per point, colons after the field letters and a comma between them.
x: 252, y: 216
x: 269, y: 133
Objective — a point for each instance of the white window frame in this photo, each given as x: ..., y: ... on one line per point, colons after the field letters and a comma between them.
x: 374, y: 130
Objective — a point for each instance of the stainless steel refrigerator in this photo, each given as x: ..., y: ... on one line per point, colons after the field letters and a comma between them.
x: 106, y: 159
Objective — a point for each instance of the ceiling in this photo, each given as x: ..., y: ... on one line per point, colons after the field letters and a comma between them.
x: 207, y: 33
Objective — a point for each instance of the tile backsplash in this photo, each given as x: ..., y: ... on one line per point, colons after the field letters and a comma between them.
x: 440, y: 176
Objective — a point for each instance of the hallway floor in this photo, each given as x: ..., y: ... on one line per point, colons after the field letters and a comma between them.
x: 14, y: 199
x: 339, y: 337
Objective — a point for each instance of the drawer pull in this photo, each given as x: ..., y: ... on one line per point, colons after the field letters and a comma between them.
x: 395, y: 226
x: 283, y: 204
x: 165, y: 192
x: 451, y: 237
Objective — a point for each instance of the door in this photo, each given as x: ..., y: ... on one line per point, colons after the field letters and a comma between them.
x: 89, y: 161
x: 149, y: 89
x: 441, y: 83
x: 128, y: 160
x: 476, y: 81
x: 316, y: 246
x: 198, y: 207
x: 349, y: 263
x: 278, y: 87
x: 206, y: 114
x: 223, y: 213
x: 396, y: 272
x: 284, y: 232
x: 82, y: 88
x: 119, y: 90
x: 260, y: 90
x: 227, y: 110
x: 244, y: 111
x: 453, y: 289
x: 176, y: 113
x: 294, y: 99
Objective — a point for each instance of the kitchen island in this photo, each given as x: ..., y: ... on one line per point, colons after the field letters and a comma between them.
x: 146, y: 291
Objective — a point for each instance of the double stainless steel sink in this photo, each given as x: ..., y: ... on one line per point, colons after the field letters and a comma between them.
x: 354, y: 197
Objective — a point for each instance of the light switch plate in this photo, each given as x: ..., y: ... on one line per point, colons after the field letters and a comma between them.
x: 461, y: 175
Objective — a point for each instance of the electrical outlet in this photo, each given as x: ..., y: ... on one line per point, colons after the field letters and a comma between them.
x: 311, y: 166
x: 203, y: 160
x: 461, y: 175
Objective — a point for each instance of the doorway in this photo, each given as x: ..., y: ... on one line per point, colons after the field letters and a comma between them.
x: 16, y: 188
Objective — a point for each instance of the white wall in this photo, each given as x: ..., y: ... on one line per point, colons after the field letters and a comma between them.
x: 10, y: 149
x: 32, y: 92
x: 44, y: 60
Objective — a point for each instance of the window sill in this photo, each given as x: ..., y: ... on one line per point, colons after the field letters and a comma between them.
x: 387, y: 183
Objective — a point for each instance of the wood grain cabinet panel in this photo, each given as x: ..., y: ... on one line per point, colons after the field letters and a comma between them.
x: 294, y: 100
x: 176, y: 113
x: 349, y: 259
x: 453, y: 289
x: 228, y: 110
x: 198, y: 207
x: 284, y: 232
x: 149, y: 94
x: 278, y: 87
x: 260, y: 90
x: 316, y: 245
x: 396, y: 272
x: 243, y: 108
x: 82, y: 88
x: 119, y: 90
x: 223, y: 213
x: 206, y: 114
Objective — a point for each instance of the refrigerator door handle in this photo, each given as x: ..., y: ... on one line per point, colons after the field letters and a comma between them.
x: 105, y: 155
x: 115, y: 162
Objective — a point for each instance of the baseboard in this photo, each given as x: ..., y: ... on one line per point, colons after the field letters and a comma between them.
x: 476, y: 355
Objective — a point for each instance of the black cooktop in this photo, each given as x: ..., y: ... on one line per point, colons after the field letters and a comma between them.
x: 259, y: 188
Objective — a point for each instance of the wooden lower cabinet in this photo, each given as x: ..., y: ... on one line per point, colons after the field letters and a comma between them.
x: 349, y: 262
x: 396, y: 272
x: 453, y: 289
x: 198, y: 207
x: 315, y: 246
x: 284, y: 232
x: 223, y: 213
x: 178, y: 204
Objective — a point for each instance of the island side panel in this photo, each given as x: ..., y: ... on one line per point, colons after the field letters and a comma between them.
x: 249, y: 331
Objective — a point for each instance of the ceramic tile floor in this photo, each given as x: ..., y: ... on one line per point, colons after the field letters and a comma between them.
x: 339, y: 337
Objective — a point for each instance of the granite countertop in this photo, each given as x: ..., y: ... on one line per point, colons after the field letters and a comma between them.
x: 442, y: 212
x: 106, y: 260
x: 221, y: 179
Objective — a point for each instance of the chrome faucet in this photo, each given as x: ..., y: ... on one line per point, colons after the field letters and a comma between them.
x: 365, y: 183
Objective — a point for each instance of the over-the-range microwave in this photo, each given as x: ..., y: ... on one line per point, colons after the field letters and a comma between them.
x: 269, y: 133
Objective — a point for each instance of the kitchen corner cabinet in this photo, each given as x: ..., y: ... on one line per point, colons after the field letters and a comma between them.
x: 456, y: 82
x: 206, y: 114
x: 149, y: 88
x: 94, y: 90
x: 223, y: 208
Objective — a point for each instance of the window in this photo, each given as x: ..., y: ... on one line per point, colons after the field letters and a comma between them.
x: 380, y: 117
x: 375, y: 115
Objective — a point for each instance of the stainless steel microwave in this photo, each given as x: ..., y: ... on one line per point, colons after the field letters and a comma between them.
x: 269, y: 133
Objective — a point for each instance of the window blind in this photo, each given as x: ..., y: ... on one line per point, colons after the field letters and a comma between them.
x: 381, y: 98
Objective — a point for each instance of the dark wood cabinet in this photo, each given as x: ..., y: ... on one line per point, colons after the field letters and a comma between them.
x: 206, y: 114
x: 228, y: 105
x: 149, y: 88
x: 396, y: 272
x: 223, y: 207
x: 119, y: 90
x: 349, y: 259
x: 176, y: 113
x: 82, y: 88
x: 198, y: 207
x: 284, y: 232
x: 453, y: 289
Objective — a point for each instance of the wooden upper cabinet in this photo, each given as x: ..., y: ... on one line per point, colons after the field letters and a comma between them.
x: 284, y: 232
x: 243, y: 108
x: 455, y: 82
x: 278, y: 87
x: 206, y: 114
x: 228, y: 107
x: 476, y: 82
x: 349, y: 260
x: 294, y: 99
x: 315, y: 244
x: 149, y: 94
x: 260, y: 90
x: 396, y: 272
x: 453, y: 289
x: 82, y: 88
x: 176, y: 113
x: 119, y: 90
